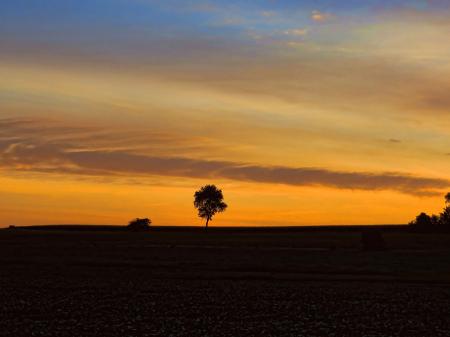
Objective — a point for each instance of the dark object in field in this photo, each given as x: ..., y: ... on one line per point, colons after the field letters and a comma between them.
x: 12, y: 227
x: 139, y: 225
x: 372, y: 240
x: 209, y: 200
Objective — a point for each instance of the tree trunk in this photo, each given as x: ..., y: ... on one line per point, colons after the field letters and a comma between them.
x: 206, y: 228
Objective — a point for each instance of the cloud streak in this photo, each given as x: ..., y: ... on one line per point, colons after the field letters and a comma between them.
x: 30, y: 151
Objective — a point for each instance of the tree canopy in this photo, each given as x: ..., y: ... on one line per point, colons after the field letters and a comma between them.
x: 209, y: 201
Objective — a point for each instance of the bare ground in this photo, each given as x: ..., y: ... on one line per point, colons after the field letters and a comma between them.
x: 84, y: 306
x: 66, y: 284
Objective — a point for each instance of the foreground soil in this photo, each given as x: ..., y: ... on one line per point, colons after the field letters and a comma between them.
x: 191, y: 284
x: 55, y: 305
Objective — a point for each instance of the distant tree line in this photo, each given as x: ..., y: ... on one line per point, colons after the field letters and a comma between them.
x: 425, y: 223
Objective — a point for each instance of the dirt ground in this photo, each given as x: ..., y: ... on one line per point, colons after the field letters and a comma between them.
x: 49, y: 305
x: 72, y: 284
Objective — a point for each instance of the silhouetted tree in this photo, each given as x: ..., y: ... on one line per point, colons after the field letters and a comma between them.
x: 423, y: 223
x: 434, y: 220
x: 372, y: 240
x: 444, y: 218
x: 209, y: 201
x: 138, y: 225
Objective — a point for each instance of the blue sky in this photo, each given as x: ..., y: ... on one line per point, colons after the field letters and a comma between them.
x: 44, y: 16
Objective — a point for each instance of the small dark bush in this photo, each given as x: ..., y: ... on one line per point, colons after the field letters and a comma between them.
x: 372, y: 240
x: 12, y: 227
x: 139, y: 225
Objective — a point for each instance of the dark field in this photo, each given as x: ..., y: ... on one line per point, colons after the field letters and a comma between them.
x: 225, y: 283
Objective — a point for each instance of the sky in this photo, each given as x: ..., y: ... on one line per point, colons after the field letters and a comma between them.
x: 332, y: 112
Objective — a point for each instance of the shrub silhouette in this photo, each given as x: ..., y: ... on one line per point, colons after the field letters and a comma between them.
x: 372, y: 240
x: 209, y: 201
x: 138, y: 225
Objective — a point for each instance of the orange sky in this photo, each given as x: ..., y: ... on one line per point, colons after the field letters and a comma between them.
x: 302, y: 116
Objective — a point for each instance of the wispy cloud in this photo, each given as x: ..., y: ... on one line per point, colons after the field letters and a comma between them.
x: 409, y: 78
x: 26, y: 148
x: 321, y: 17
x: 268, y: 13
x: 296, y: 32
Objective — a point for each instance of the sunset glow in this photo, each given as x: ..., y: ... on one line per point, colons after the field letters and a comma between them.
x: 303, y: 113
